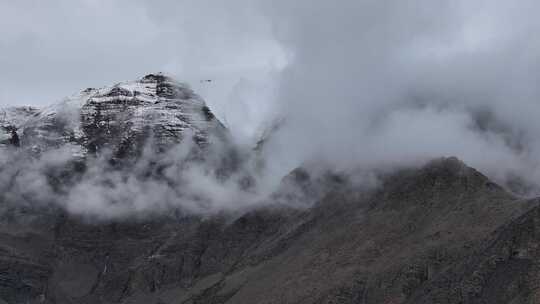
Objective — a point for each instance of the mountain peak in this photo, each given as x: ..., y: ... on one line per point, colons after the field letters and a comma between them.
x: 156, y: 77
x: 122, y: 117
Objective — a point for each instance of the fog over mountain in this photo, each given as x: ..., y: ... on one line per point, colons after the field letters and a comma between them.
x: 390, y: 82
x: 250, y: 151
x: 137, y: 148
x: 370, y: 82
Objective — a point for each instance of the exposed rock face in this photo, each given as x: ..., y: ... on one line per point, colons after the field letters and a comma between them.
x: 443, y: 233
x: 123, y: 118
x: 504, y: 269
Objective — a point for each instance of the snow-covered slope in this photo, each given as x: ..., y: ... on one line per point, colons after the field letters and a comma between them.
x: 122, y: 118
x: 12, y: 120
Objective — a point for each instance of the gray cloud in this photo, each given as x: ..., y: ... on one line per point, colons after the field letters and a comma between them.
x: 176, y: 180
x: 362, y: 83
x: 375, y: 83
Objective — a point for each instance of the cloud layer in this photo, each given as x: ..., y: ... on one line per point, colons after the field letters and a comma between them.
x: 376, y: 83
x: 363, y: 84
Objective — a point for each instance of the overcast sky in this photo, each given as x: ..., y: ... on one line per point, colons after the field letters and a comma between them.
x: 364, y: 81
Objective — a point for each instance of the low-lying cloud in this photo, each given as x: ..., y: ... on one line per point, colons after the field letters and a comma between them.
x: 358, y: 84
x: 176, y: 180
x: 375, y: 83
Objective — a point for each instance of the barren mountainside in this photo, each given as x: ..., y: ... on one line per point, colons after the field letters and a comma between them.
x: 440, y: 233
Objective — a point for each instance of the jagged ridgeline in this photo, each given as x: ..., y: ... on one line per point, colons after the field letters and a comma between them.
x: 121, y: 119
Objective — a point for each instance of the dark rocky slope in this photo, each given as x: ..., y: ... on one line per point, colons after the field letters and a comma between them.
x: 439, y: 234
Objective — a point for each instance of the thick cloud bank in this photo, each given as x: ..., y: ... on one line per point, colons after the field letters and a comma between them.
x: 363, y: 84
x: 375, y: 83
x: 179, y: 180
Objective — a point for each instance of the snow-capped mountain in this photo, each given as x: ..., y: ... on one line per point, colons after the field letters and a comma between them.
x: 121, y: 118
